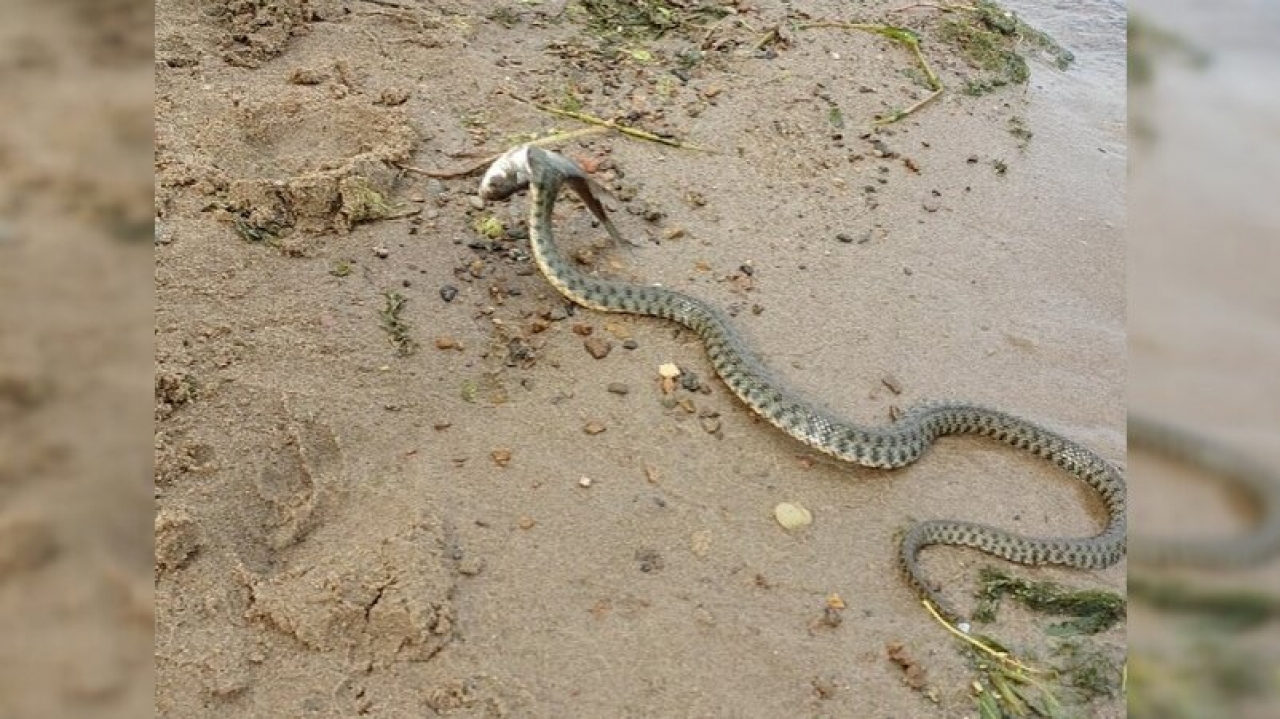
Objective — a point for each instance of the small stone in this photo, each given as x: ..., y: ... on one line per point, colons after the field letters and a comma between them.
x: 381, y: 253
x: 475, y: 201
x: 831, y: 617
x: 539, y: 325
x: 630, y: 344
x: 525, y: 523
x: 470, y: 566
x: 668, y: 386
x: 690, y: 381
x: 597, y: 347
x: 501, y: 456
x: 618, y: 331
x: 593, y: 427
x: 825, y: 688
x: 710, y: 425
x: 445, y: 342
x: 792, y: 516
x: 932, y: 205
x: 306, y: 76
x: 584, y: 482
x: 618, y: 388
x: 557, y: 314
x: 393, y: 96
x: 583, y: 330
x: 668, y: 371
x: 845, y: 237
x: 650, y: 560
x: 448, y: 293
x: 441, y: 426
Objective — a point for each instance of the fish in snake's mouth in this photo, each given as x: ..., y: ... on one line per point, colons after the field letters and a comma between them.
x: 514, y: 170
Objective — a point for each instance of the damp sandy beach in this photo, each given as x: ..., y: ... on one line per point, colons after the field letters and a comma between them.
x: 397, y: 475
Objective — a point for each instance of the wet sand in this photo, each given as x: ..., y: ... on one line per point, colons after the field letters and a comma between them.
x: 343, y: 530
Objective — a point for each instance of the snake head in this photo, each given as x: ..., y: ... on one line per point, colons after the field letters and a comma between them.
x: 549, y: 169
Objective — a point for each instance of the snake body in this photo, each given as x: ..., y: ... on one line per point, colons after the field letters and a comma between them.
x: 894, y: 445
x: 1258, y: 482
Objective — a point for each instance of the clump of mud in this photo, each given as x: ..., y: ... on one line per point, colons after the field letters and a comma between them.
x: 258, y: 30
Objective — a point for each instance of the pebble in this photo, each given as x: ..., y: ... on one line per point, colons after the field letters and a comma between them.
x: 690, y: 381
x: 668, y: 371
x: 597, y: 347
x: 931, y: 205
x: 584, y: 482
x: 710, y: 425
x: 650, y: 560
x: 475, y: 201
x: 501, y: 456
x: 381, y: 252
x: 448, y: 292
x: 831, y: 617
x: 593, y: 428
x: 845, y: 238
x: 792, y: 516
x: 630, y: 344
x: 618, y: 388
x: 445, y: 342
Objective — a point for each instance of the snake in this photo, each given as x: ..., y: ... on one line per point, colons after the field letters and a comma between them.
x: 897, y: 444
x: 1257, y: 481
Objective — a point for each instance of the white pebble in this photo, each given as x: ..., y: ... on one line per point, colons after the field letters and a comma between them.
x: 584, y: 482
x: 792, y: 516
x: 668, y: 371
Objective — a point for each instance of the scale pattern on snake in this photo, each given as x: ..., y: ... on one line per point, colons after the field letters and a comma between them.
x: 890, y: 446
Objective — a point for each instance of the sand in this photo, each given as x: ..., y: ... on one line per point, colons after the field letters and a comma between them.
x: 343, y: 529
x: 1203, y: 341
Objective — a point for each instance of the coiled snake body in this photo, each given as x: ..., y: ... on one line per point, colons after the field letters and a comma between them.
x: 894, y: 445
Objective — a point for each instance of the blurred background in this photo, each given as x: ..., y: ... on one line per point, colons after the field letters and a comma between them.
x: 75, y: 358
x: 76, y: 354
x: 1204, y: 339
